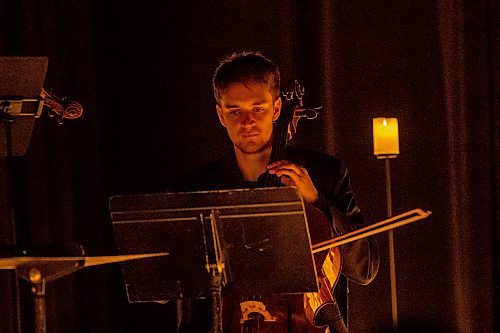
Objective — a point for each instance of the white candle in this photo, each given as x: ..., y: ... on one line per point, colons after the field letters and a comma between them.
x: 385, y: 137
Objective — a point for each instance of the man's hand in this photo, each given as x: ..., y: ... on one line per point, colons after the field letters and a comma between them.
x: 293, y: 175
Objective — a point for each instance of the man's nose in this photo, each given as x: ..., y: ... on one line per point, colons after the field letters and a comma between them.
x: 248, y: 119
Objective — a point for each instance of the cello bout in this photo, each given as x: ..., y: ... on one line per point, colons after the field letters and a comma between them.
x: 318, y: 307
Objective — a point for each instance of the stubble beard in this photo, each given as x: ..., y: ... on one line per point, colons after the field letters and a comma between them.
x: 253, y: 148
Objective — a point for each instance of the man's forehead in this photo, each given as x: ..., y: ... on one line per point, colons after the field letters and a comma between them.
x: 250, y: 92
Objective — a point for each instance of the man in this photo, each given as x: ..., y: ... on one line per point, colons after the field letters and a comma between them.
x: 247, y: 92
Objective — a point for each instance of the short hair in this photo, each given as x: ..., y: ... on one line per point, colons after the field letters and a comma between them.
x: 246, y: 67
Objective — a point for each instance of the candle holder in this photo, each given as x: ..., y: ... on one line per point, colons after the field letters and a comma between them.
x: 386, y: 146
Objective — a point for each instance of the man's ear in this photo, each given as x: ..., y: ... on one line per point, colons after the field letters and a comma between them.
x: 277, y: 109
x: 221, y: 115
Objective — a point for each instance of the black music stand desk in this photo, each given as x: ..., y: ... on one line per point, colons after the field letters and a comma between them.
x: 257, y: 239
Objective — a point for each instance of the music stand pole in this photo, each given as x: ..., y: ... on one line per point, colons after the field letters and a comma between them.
x: 216, y: 274
x: 7, y: 120
x: 38, y: 290
x: 216, y: 301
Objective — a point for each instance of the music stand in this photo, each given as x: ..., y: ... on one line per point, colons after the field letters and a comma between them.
x: 245, y: 241
x: 40, y: 270
x: 21, y: 82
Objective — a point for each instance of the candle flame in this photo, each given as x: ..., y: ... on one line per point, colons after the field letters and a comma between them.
x: 384, y: 122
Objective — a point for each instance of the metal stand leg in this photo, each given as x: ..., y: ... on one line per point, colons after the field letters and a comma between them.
x: 7, y: 120
x: 216, y: 295
x: 217, y: 275
x: 392, y: 260
x: 38, y: 290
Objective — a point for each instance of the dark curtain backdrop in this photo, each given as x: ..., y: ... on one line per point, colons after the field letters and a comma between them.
x: 142, y: 70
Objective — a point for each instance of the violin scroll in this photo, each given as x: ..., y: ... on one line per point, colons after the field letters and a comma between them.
x: 62, y: 108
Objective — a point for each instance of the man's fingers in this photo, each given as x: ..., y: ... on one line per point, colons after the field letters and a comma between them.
x: 290, y: 174
x: 294, y: 175
x: 287, y: 181
x: 276, y: 164
x: 287, y: 166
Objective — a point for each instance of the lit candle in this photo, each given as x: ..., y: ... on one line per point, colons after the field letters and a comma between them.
x: 385, y: 137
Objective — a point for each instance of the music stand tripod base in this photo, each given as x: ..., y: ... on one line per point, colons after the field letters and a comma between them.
x: 40, y: 270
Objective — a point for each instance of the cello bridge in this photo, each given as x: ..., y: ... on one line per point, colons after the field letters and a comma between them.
x: 249, y: 307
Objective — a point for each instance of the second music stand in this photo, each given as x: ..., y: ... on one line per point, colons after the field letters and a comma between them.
x: 40, y: 270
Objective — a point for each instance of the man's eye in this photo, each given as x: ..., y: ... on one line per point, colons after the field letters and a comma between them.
x: 258, y: 109
x: 234, y: 112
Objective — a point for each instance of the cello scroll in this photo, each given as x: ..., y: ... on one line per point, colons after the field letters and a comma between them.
x: 62, y: 108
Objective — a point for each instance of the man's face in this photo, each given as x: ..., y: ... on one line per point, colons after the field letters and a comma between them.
x: 247, y: 112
